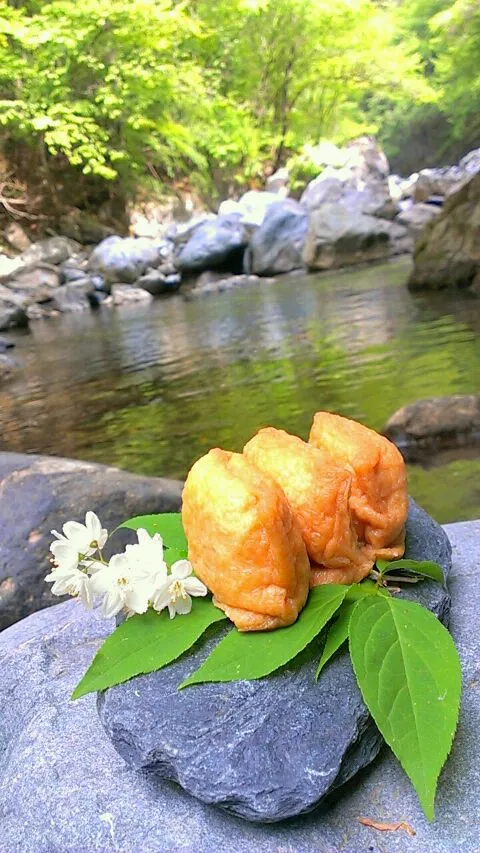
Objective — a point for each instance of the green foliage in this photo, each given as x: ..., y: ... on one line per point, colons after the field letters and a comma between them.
x: 337, y: 632
x: 145, y: 643
x: 409, y: 674
x: 168, y: 524
x: 424, y: 568
x: 240, y: 656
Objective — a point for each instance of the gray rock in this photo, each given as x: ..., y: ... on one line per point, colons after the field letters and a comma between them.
x: 125, y: 259
x: 75, y: 296
x: 52, y: 250
x: 439, y: 422
x: 416, y: 217
x: 338, y: 237
x: 253, y: 747
x: 38, y: 494
x: 277, y: 246
x: 12, y: 315
x: 251, y: 208
x: 218, y: 283
x: 447, y: 253
x: 6, y: 345
x: 159, y: 283
x: 69, y: 273
x: 16, y: 237
x: 213, y: 244
x: 278, y: 182
x: 64, y: 789
x: 36, y: 283
x: 126, y: 294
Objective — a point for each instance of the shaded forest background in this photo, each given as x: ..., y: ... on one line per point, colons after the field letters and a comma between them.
x: 107, y: 101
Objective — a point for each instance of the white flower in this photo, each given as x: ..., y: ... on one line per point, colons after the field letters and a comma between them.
x: 175, y: 592
x: 147, y: 556
x: 65, y: 555
x: 122, y: 587
x: 71, y: 582
x: 83, y: 539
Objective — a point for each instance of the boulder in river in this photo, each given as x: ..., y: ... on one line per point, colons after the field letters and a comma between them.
x: 37, y: 283
x: 447, y: 253
x: 436, y: 422
x: 251, y: 207
x: 276, y: 247
x: 52, y: 250
x: 159, y: 283
x: 360, y: 184
x: 40, y: 493
x: 416, y: 217
x: 217, y: 243
x: 269, y: 749
x: 214, y: 282
x: 75, y: 296
x: 126, y: 259
x: 337, y: 237
x: 127, y: 294
x: 12, y: 310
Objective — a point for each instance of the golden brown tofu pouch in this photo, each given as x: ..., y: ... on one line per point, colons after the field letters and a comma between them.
x: 318, y: 490
x: 244, y: 542
x: 378, y: 498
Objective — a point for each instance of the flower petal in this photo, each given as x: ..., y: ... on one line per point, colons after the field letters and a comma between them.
x: 137, y: 599
x: 113, y: 603
x: 162, y: 597
x: 194, y: 586
x: 181, y: 569
x: 183, y: 605
x: 92, y: 523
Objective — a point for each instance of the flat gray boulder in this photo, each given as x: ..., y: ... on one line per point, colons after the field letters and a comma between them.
x: 253, y: 747
x: 276, y: 247
x: 40, y: 493
x: 436, y: 421
x: 64, y: 789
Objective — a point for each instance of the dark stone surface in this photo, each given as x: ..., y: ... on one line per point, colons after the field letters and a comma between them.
x: 253, y: 747
x: 40, y: 493
x: 159, y: 283
x: 277, y: 246
x: 436, y: 423
x: 64, y: 789
x: 215, y: 243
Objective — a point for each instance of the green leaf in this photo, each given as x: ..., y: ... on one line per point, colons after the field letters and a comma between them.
x: 144, y: 643
x: 244, y: 656
x: 426, y: 568
x: 171, y: 555
x: 338, y: 630
x: 168, y: 524
x: 409, y: 674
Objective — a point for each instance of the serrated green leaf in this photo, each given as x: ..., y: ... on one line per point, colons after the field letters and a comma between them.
x: 144, y: 643
x: 168, y: 524
x: 338, y: 630
x: 244, y: 656
x: 409, y: 674
x: 426, y: 568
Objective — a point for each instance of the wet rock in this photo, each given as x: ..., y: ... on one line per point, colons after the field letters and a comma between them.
x: 447, y: 253
x: 415, y: 218
x: 214, y: 244
x: 75, y: 296
x: 6, y: 345
x: 218, y: 283
x: 337, y: 237
x: 276, y: 247
x: 12, y: 315
x: 437, y: 421
x: 125, y: 294
x: 54, y: 491
x: 253, y: 747
x: 125, y: 259
x: 159, y: 283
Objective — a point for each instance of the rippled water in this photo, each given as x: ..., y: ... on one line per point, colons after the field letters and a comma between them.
x: 151, y: 389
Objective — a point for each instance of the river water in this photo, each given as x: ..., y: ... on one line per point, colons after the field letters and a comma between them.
x: 150, y: 389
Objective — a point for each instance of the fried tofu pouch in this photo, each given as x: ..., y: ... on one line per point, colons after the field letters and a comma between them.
x: 244, y: 542
x: 378, y: 499
x: 318, y: 490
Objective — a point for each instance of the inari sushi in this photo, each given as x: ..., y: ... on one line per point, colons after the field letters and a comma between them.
x: 318, y: 490
x: 378, y: 498
x: 244, y: 542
